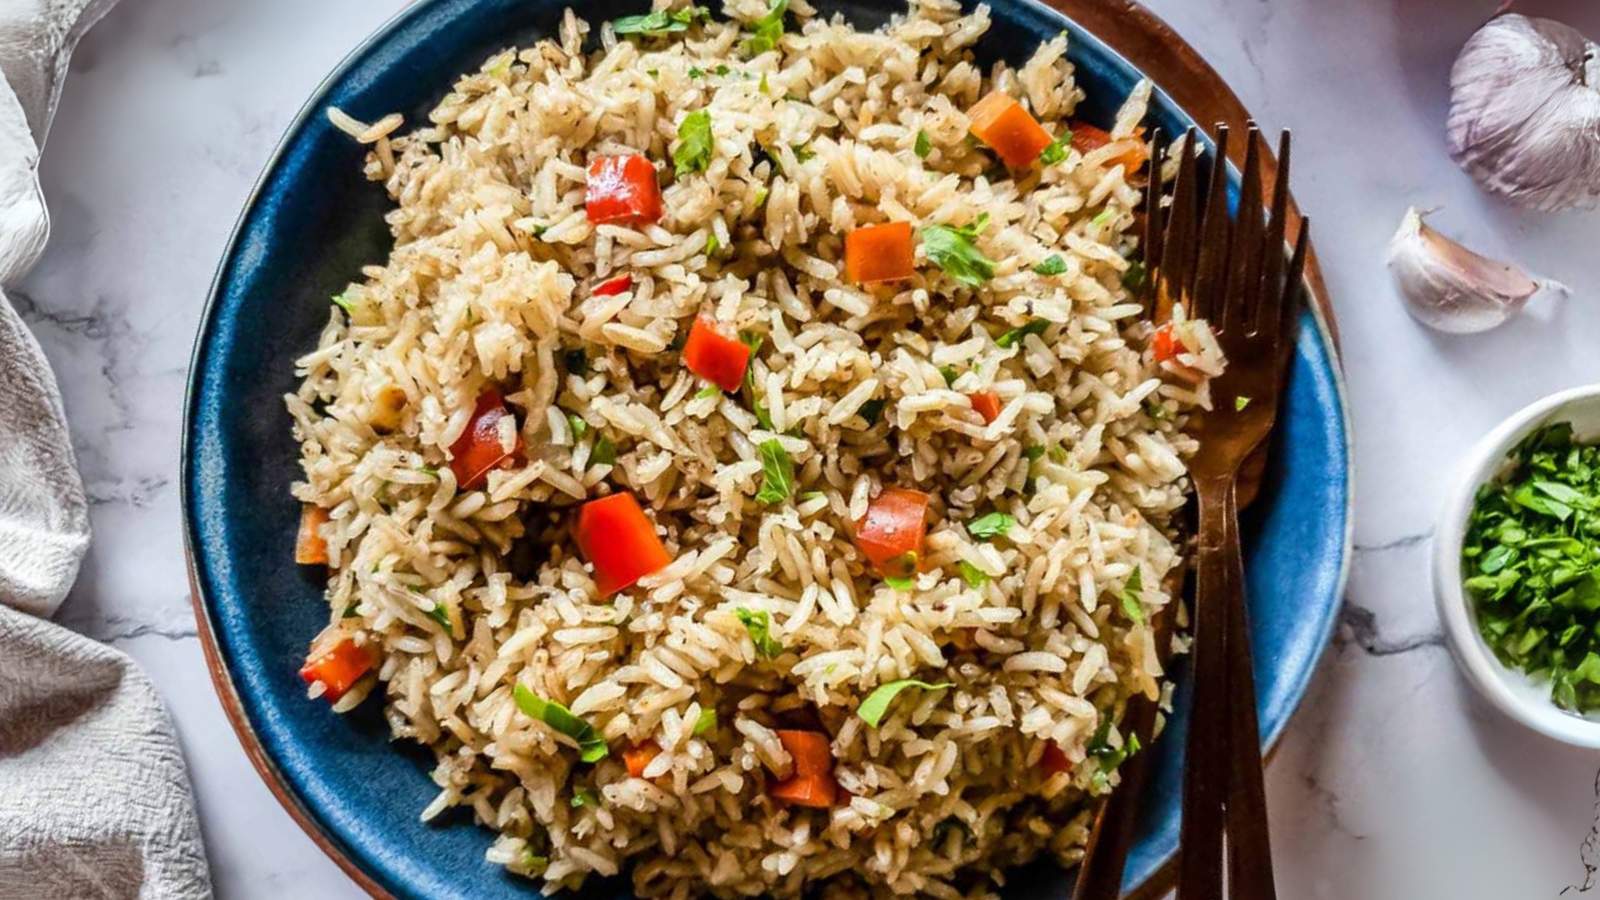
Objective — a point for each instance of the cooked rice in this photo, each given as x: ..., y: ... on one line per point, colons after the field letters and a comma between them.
x: 488, y: 283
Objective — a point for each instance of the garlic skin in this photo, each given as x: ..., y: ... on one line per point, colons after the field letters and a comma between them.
x: 1525, y: 112
x: 1452, y: 289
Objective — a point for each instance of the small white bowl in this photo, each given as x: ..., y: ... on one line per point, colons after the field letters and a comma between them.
x: 1514, y: 693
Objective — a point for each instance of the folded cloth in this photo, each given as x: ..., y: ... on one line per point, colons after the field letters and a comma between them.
x: 94, y: 796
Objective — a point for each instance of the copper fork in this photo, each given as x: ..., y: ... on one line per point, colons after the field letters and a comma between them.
x: 1243, y: 289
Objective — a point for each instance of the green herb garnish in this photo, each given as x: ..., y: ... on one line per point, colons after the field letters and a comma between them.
x: 972, y: 575
x: 1051, y: 265
x: 993, y: 525
x: 872, y: 709
x: 1240, y: 402
x: 1133, y: 278
x: 709, y: 390
x: 777, y: 472
x: 591, y: 746
x: 584, y: 797
x: 763, y: 418
x: 954, y: 249
x: 659, y: 22
x: 1131, y: 596
x: 1014, y: 337
x: 1056, y: 151
x: 758, y: 623
x: 605, y: 452
x: 949, y: 374
x: 766, y: 30
x: 343, y: 301
x: 923, y: 145
x: 706, y: 722
x: 1108, y: 758
x: 441, y: 615
x: 578, y: 425
x: 903, y: 584
x: 695, y: 145
x: 872, y: 410
x: 1531, y: 565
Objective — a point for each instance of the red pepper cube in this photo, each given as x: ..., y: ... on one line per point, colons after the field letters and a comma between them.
x: 715, y: 357
x: 893, y: 527
x: 987, y: 404
x: 879, y: 253
x: 614, y: 534
x: 1010, y: 131
x: 478, y: 450
x: 1053, y: 760
x: 612, y: 287
x: 337, y: 662
x: 622, y: 190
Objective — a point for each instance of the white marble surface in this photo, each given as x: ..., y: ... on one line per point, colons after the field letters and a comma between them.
x: 1393, y: 782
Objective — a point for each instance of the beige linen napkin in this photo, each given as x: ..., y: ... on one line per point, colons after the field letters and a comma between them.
x: 94, y: 796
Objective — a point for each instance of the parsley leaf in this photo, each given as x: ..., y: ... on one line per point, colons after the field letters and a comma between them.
x: 923, y: 145
x: 972, y: 575
x: 1131, y: 596
x: 873, y: 709
x: 591, y: 745
x: 1014, y: 337
x: 659, y: 22
x: 1240, y: 402
x: 1051, y: 265
x: 584, y: 797
x: 903, y: 584
x: 766, y: 30
x: 706, y: 722
x: 578, y: 425
x: 777, y: 473
x: 1056, y: 151
x: 954, y: 249
x: 758, y: 623
x: 709, y: 390
x: 695, y: 144
x: 993, y: 525
x: 605, y: 452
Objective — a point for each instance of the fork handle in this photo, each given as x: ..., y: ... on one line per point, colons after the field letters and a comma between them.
x: 1206, y: 758
x: 1249, y: 841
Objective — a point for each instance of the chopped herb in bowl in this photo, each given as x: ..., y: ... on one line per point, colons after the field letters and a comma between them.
x: 1531, y: 565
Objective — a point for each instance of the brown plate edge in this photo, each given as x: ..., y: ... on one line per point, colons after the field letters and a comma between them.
x: 1126, y: 27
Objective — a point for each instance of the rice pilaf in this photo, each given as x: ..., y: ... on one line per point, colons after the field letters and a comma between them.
x: 600, y: 724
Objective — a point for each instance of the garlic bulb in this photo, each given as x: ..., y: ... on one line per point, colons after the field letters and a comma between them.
x: 1448, y: 287
x: 1525, y: 112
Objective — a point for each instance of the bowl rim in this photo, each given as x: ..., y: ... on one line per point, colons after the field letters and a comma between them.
x: 1129, y: 32
x: 1492, y: 678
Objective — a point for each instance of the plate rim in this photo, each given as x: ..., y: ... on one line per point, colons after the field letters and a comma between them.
x: 1104, y: 21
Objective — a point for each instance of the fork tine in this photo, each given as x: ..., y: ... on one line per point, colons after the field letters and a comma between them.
x: 1245, y: 275
x: 1286, y: 312
x: 1276, y: 227
x: 1212, y: 297
x: 1178, y: 247
x: 1152, y: 224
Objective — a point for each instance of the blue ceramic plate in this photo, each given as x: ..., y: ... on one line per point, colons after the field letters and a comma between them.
x: 311, y: 224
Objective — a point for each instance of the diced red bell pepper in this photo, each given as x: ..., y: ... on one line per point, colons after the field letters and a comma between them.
x: 715, y: 357
x: 1053, y: 760
x: 812, y: 751
x: 309, y: 547
x: 636, y: 758
x: 812, y: 783
x: 1011, y: 131
x: 614, y: 535
x: 622, y: 190
x: 879, y: 253
x: 814, y: 791
x: 614, y: 286
x: 1165, y: 347
x: 987, y: 404
x: 1086, y: 137
x: 478, y: 450
x: 337, y: 662
x: 890, y: 534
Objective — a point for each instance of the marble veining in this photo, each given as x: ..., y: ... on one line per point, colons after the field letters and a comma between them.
x: 1393, y: 781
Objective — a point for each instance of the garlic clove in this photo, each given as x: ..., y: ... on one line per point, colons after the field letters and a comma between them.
x: 1452, y: 289
x: 1525, y: 112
